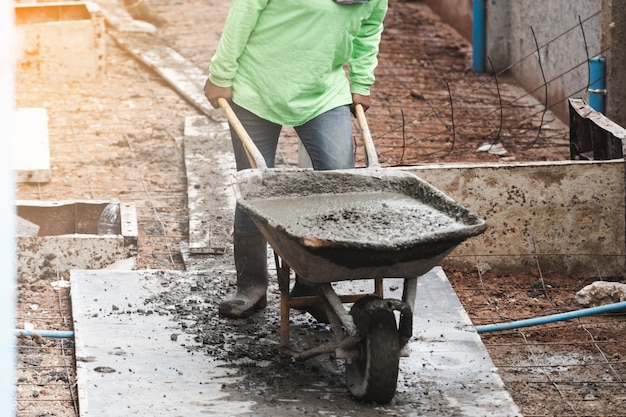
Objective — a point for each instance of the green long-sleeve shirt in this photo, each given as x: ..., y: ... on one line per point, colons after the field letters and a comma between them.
x: 284, y: 59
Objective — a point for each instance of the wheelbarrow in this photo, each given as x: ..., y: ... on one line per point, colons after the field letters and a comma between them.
x: 353, y: 224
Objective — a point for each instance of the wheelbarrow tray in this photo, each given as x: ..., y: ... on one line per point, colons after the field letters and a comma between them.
x: 354, y: 224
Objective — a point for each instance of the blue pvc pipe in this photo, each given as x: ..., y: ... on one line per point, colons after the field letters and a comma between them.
x: 608, y: 308
x: 597, y: 83
x: 55, y: 334
x: 479, y: 42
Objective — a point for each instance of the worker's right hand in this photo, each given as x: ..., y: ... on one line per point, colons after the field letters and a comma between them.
x: 213, y: 92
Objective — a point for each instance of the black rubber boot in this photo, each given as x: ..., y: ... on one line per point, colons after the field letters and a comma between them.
x: 250, y: 252
x: 302, y: 289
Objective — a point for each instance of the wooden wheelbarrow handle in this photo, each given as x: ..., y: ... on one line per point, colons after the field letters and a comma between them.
x: 254, y: 155
x: 256, y: 158
x: 370, y: 150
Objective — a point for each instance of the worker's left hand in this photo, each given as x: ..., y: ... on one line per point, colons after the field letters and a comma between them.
x: 359, y: 99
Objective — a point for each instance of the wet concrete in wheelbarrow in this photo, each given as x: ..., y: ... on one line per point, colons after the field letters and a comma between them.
x: 385, y: 219
x: 360, y: 208
x: 152, y: 343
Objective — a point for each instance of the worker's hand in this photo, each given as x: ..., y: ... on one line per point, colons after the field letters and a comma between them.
x: 359, y: 99
x: 213, y: 92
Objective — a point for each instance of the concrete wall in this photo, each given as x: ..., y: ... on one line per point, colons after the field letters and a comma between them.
x: 510, y: 41
x: 563, y: 55
x: 567, y: 217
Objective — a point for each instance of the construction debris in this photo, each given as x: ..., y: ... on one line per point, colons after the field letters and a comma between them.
x: 600, y: 293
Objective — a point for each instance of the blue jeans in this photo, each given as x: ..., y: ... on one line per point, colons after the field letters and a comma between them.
x: 327, y: 139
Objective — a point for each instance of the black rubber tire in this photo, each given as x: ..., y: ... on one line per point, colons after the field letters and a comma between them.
x: 374, y: 375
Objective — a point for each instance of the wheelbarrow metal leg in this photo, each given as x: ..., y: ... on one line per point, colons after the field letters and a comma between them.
x: 283, y: 271
x: 409, y: 291
x: 378, y: 287
x: 337, y: 306
x: 284, y: 321
x: 405, y: 326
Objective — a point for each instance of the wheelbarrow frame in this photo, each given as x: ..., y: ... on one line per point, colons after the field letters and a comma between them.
x: 370, y: 325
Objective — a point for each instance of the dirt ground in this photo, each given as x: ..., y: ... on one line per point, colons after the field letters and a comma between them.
x: 121, y: 135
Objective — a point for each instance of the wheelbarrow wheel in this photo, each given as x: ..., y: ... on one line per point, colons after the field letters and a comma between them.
x: 373, y: 375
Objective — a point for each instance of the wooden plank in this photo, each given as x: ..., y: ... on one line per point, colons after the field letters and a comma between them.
x: 208, y: 158
x: 210, y: 199
x: 182, y: 75
x: 118, y: 19
x: 31, y: 145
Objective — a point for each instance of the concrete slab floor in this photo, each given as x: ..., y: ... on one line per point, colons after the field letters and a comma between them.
x: 133, y: 361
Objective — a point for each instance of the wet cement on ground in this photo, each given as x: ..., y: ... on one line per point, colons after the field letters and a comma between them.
x: 151, y: 343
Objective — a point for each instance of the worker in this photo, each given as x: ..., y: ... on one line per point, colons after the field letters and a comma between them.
x: 300, y: 63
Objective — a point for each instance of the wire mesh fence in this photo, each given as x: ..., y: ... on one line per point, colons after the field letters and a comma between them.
x: 435, y: 111
x: 46, y: 376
